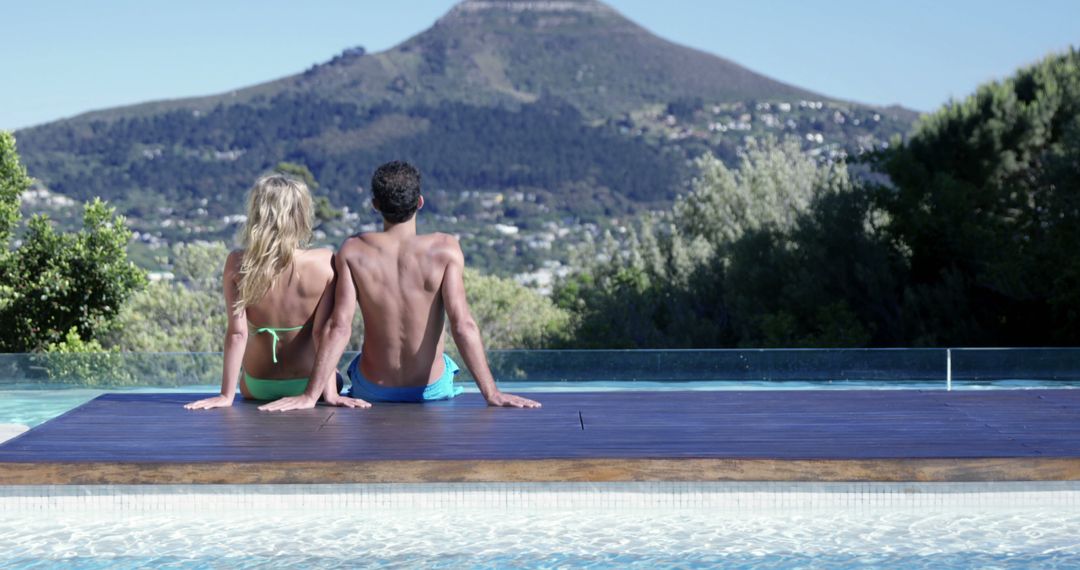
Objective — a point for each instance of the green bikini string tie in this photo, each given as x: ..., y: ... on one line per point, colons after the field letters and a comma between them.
x: 273, y: 332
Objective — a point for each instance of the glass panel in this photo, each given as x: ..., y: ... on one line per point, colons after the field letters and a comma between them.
x: 1026, y: 365
x: 814, y: 365
x: 113, y: 370
x: 917, y: 367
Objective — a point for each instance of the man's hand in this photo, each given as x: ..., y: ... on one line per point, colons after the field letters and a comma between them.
x: 505, y: 400
x: 210, y: 403
x: 345, y: 401
x: 301, y: 402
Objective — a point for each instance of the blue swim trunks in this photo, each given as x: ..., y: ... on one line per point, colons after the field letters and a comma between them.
x: 441, y: 389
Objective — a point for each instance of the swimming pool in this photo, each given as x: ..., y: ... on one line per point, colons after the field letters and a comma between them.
x: 601, y: 525
x: 1000, y: 540
x: 605, y: 527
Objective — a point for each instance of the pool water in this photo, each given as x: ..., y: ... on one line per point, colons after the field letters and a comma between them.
x: 34, y: 407
x: 645, y: 539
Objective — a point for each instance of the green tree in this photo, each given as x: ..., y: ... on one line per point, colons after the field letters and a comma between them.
x: 774, y: 184
x: 832, y: 280
x: 53, y: 283
x: 663, y: 284
x: 511, y: 315
x: 983, y: 200
x: 186, y: 314
x: 72, y: 360
x: 13, y: 182
x: 61, y: 281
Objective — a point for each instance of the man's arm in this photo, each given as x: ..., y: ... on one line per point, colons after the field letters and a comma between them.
x: 467, y: 334
x: 331, y: 342
x: 236, y: 333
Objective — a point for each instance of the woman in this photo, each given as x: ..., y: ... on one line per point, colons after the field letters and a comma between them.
x: 278, y: 291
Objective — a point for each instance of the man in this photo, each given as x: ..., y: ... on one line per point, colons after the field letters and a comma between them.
x: 406, y: 285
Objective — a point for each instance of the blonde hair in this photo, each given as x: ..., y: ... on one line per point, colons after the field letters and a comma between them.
x: 279, y: 221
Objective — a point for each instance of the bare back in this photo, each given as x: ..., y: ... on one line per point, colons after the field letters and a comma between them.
x: 291, y: 302
x: 398, y: 283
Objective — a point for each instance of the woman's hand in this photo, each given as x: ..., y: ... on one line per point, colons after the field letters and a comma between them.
x: 210, y: 403
x: 301, y: 402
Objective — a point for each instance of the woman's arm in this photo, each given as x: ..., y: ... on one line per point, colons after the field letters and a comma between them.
x: 235, y: 341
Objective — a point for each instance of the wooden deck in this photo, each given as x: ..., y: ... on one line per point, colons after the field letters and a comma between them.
x: 899, y: 435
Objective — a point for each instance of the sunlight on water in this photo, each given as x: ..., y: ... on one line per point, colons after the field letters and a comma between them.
x: 566, y: 539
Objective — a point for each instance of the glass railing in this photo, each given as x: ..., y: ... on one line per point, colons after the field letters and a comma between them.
x: 1053, y: 365
x: 719, y: 365
x: 931, y: 368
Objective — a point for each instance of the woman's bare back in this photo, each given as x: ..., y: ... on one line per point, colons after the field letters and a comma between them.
x: 291, y: 302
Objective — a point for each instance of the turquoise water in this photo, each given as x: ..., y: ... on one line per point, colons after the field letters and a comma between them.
x: 33, y: 407
x: 1023, y: 539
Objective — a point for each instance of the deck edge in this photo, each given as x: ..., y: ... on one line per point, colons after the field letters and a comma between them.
x: 543, y: 471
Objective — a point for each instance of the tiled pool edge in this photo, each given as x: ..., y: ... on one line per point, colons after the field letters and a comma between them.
x: 726, y: 497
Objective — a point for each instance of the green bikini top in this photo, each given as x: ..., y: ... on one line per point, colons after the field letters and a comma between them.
x: 274, y: 333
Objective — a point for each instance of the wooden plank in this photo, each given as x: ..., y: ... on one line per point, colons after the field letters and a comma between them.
x: 549, y: 470
x: 729, y: 435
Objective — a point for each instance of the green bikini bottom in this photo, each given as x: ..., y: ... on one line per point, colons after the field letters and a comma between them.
x: 261, y: 389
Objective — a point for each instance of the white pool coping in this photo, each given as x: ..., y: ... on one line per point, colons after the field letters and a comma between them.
x: 8, y: 431
x: 725, y: 497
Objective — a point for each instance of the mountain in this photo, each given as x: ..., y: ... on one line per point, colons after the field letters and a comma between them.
x: 512, y: 52
x: 566, y: 100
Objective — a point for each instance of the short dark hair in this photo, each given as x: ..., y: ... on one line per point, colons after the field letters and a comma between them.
x: 395, y: 187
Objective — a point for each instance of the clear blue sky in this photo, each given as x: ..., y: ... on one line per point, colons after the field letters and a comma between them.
x: 64, y: 57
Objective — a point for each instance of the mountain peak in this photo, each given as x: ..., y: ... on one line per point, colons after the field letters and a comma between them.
x: 585, y: 6
x: 525, y: 11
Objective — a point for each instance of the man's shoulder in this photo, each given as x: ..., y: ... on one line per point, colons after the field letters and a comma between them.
x: 444, y: 247
x: 441, y: 240
x: 358, y: 250
x: 355, y: 242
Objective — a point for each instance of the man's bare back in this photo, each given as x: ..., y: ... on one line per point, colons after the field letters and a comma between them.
x: 404, y: 284
x: 399, y: 286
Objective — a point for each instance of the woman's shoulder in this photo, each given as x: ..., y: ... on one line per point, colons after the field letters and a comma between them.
x: 234, y: 259
x: 317, y: 254
x: 317, y: 257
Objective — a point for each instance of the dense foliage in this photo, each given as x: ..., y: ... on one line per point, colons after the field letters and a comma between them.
x: 182, y: 158
x: 670, y: 283
x: 186, y: 314
x: 512, y: 316
x: 972, y: 241
x: 54, y: 283
x: 986, y: 202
